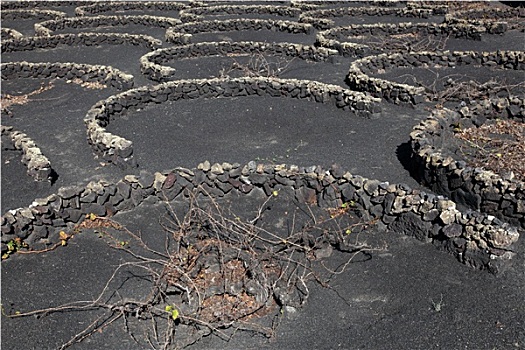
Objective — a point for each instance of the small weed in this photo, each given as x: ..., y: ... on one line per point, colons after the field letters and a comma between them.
x: 14, y: 246
x: 437, y: 307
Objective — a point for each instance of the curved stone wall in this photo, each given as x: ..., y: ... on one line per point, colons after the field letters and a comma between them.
x: 8, y: 34
x: 331, y: 38
x: 320, y: 18
x: 87, y: 39
x: 100, y: 7
x: 47, y: 28
x: 32, y: 4
x: 473, y: 188
x: 182, y: 33
x: 152, y: 63
x: 86, y: 72
x: 198, y: 13
x: 478, y: 240
x: 495, y: 20
x: 33, y: 14
x: 119, y: 151
x: 359, y: 80
x: 38, y: 166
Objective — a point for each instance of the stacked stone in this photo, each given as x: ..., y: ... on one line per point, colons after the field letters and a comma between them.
x: 8, y: 33
x: 38, y: 166
x: 118, y: 150
x: 495, y: 20
x: 475, y: 188
x: 508, y: 107
x: 358, y: 78
x: 32, y: 14
x: 319, y: 18
x: 32, y: 4
x: 88, y: 39
x: 331, y: 38
x: 151, y: 63
x: 182, y: 33
x: 446, y: 58
x: 479, y: 240
x: 197, y: 13
x: 101, y: 7
x: 392, y: 92
x: 85, y: 72
x: 47, y: 28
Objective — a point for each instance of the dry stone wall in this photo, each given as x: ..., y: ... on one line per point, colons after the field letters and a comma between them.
x: 152, y: 63
x: 87, y: 39
x: 101, y: 7
x: 320, y: 18
x: 182, y: 33
x: 8, y: 33
x: 47, y: 28
x: 32, y: 4
x: 198, y: 13
x: 474, y: 188
x: 86, y: 72
x: 119, y: 151
x: 32, y: 14
x: 476, y: 239
x: 359, y: 79
x: 38, y: 166
x: 332, y: 38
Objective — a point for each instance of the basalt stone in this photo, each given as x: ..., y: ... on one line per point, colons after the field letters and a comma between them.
x: 411, y: 224
x: 169, y: 181
x: 476, y: 258
x: 116, y: 199
x: 125, y: 205
x: 235, y: 172
x: 170, y: 193
x: 146, y: 179
x: 453, y: 230
x: 74, y: 215
x: 210, y: 190
x: 69, y: 191
x: 370, y: 186
x: 466, y: 199
x: 284, y: 181
x: 257, y: 179
x: 38, y: 233
x: 225, y: 187
x: 94, y: 208
x: 389, y: 202
x: 331, y: 194
x: 58, y: 222
x: 269, y: 187
x: 246, y: 188
x: 89, y: 198
x: 200, y: 177
x: 235, y: 183
x: 137, y: 196
x: 376, y: 211
x: 306, y: 195
x: 431, y: 215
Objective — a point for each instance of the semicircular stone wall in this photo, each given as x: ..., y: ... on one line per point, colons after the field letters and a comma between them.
x: 119, y: 151
x: 359, y: 79
x: 182, y: 33
x: 47, y: 28
x: 101, y: 7
x: 474, y: 188
x: 476, y: 239
x: 331, y: 38
x: 87, y: 39
x: 152, y: 62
